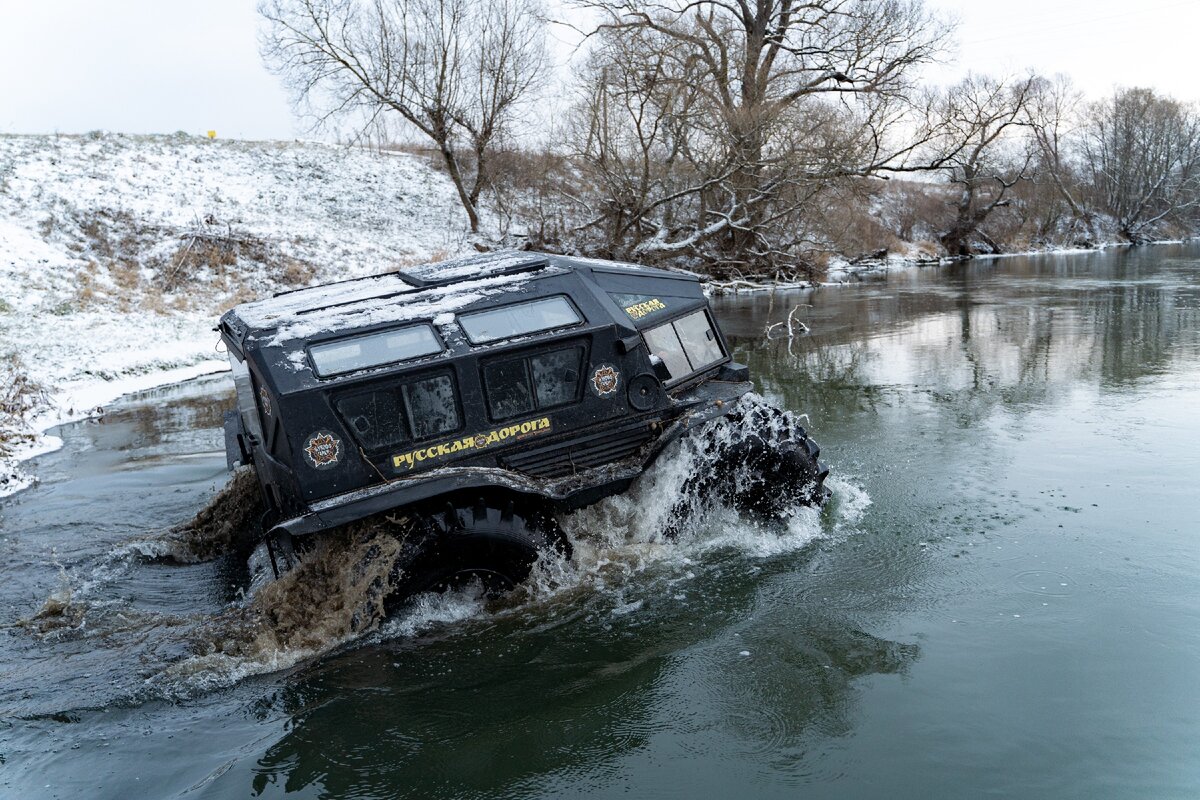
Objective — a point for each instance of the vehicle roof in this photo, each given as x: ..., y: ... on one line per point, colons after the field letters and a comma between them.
x: 432, y: 292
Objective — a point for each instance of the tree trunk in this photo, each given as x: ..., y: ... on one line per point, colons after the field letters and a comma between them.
x: 460, y: 186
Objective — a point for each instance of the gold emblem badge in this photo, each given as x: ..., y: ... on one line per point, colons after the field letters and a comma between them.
x: 605, y: 380
x: 323, y: 450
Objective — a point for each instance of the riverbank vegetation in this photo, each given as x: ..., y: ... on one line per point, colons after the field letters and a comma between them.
x: 739, y: 138
x: 21, y: 397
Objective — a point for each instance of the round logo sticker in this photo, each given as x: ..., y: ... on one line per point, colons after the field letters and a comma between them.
x: 323, y: 450
x: 605, y: 380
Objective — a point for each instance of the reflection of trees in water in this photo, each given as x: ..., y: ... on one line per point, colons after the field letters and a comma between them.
x: 809, y: 377
x: 511, y: 703
x: 980, y: 347
x: 1140, y: 326
x: 149, y: 423
x: 798, y: 686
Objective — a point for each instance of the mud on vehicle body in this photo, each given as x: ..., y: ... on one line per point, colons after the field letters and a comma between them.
x: 481, y: 397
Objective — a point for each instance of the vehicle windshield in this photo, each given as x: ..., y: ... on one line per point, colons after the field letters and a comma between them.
x: 685, y: 345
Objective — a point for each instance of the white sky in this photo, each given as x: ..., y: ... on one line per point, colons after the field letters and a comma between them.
x: 1101, y: 44
x: 157, y: 66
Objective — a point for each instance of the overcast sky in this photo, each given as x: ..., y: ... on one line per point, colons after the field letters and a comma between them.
x: 158, y: 66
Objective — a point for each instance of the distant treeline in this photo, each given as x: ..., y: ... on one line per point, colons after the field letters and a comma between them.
x: 740, y: 137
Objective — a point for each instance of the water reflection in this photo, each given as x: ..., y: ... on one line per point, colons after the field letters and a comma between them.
x: 159, y: 421
x: 975, y: 337
x: 502, y: 705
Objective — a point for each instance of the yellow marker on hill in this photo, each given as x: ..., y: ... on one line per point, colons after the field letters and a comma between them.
x: 212, y: 134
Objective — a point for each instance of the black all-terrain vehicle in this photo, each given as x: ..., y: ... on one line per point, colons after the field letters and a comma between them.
x: 480, y: 398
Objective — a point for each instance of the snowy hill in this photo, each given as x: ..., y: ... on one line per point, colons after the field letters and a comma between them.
x: 117, y: 253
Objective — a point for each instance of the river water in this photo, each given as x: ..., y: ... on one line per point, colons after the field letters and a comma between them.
x: 1002, y: 599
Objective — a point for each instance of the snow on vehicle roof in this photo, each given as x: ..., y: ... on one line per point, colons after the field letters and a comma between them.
x: 267, y: 313
x: 426, y: 292
x: 371, y: 301
x: 629, y: 266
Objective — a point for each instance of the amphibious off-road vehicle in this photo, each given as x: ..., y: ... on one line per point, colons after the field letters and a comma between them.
x: 484, y: 396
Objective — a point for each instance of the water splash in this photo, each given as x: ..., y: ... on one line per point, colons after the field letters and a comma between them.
x: 332, y: 596
x: 229, y: 522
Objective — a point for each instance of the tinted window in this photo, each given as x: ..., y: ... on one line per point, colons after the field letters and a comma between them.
x: 376, y: 419
x: 556, y: 376
x: 402, y: 412
x: 432, y: 407
x: 543, y: 380
x: 373, y: 350
x: 508, y: 389
x: 519, y: 319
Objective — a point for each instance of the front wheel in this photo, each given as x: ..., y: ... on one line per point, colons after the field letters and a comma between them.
x: 758, y: 460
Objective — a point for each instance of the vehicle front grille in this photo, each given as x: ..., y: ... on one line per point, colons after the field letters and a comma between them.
x: 582, y: 452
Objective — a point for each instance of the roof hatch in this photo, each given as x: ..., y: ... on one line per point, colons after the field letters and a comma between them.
x: 485, y: 265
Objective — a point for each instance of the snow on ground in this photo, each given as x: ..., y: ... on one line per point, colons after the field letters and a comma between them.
x: 101, y: 289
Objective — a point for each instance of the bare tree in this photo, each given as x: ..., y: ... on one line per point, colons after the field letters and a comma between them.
x: 981, y: 152
x: 1053, y: 114
x: 457, y: 71
x: 1142, y: 158
x: 712, y: 125
x: 634, y: 131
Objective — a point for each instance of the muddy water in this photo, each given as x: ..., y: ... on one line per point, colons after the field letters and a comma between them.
x: 1003, y: 598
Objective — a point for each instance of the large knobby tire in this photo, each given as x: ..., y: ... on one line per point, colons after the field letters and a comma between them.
x: 492, y: 543
x: 765, y: 480
x: 758, y: 460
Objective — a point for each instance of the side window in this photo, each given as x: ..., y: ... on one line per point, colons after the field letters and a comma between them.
x: 415, y: 409
x: 376, y: 419
x: 556, y: 376
x: 373, y: 350
x: 539, y: 381
x: 519, y: 319
x: 432, y: 406
x: 685, y: 345
x: 507, y: 388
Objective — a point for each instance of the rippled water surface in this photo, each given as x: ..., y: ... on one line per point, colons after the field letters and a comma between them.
x: 1003, y: 598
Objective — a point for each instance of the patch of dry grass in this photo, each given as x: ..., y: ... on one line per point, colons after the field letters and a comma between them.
x: 411, y: 261
x: 229, y: 260
x: 20, y: 398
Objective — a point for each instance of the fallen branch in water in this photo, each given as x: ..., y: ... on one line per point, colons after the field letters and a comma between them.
x: 792, y: 324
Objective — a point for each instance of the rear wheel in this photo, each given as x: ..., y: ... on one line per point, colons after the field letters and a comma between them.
x: 489, y: 542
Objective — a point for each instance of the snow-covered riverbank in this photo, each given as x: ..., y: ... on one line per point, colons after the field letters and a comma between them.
x: 102, y: 291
